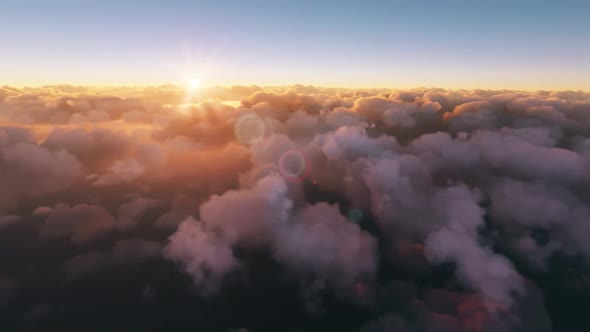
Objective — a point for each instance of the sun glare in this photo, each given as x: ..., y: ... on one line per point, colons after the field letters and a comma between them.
x: 194, y: 84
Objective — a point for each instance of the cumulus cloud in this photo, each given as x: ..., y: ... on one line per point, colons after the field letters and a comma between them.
x: 182, y: 206
x: 321, y: 241
x: 130, y: 212
x: 125, y: 170
x: 349, y: 143
x: 124, y: 252
x: 28, y: 170
x: 243, y: 218
x: 135, y: 249
x: 204, y: 255
x: 80, y: 223
x: 492, y: 274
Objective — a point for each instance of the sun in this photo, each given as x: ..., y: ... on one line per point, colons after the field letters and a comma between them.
x: 194, y: 84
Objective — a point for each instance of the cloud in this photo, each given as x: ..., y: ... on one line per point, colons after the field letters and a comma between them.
x: 481, y: 114
x: 125, y: 170
x: 124, y: 252
x: 248, y: 217
x: 530, y: 206
x: 202, y: 254
x: 135, y: 249
x: 131, y: 212
x: 28, y: 170
x: 82, y: 265
x: 490, y: 273
x: 95, y: 148
x: 80, y: 223
x: 183, y: 206
x: 349, y: 143
x: 524, y: 160
x: 321, y: 241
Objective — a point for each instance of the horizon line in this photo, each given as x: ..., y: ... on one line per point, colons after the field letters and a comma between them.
x: 266, y: 86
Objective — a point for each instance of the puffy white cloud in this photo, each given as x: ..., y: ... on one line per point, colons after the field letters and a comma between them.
x: 94, y: 148
x: 342, y: 117
x: 491, y: 274
x: 122, y: 171
x: 473, y: 115
x: 349, y: 143
x: 28, y: 170
x: 322, y: 242
x: 513, y: 156
x: 202, y: 254
x: 248, y: 217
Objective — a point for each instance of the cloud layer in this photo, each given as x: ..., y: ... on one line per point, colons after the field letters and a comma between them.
x: 418, y: 210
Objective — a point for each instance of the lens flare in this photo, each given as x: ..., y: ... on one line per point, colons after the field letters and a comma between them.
x: 294, y: 166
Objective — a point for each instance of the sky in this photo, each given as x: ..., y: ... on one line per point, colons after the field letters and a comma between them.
x: 525, y: 45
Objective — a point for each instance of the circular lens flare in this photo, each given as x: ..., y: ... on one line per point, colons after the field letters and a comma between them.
x: 294, y: 166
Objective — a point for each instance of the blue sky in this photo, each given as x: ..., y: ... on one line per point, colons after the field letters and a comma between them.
x: 492, y: 44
